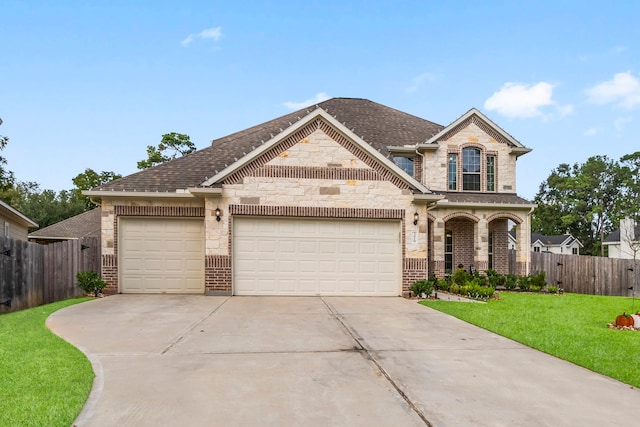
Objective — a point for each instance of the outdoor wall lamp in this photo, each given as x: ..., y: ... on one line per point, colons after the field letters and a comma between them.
x: 415, y: 218
x: 218, y: 213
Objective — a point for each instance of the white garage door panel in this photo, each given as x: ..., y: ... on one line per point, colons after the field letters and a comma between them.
x: 287, y: 256
x: 160, y: 255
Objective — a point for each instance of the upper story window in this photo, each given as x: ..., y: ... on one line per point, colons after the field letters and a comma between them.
x: 491, y: 173
x: 405, y: 163
x: 452, y: 172
x: 471, y: 169
x: 474, y: 167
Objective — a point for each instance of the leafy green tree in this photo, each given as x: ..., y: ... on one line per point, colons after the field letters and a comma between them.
x: 582, y: 199
x: 90, y: 179
x: 171, y: 145
x: 6, y: 177
x: 629, y: 200
x: 45, y: 207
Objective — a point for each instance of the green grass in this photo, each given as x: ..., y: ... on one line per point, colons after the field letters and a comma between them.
x: 44, y: 381
x: 572, y: 327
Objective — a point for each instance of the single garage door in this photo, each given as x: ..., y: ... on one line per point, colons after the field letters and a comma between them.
x: 159, y: 255
x: 291, y: 256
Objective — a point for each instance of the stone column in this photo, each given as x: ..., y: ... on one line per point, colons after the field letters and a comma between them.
x: 438, y: 247
x: 523, y: 246
x: 481, y: 234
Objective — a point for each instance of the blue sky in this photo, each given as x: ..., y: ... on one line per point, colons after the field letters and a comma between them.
x: 91, y: 84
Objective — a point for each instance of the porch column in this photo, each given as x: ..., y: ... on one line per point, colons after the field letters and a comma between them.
x: 523, y: 246
x: 481, y: 258
x: 438, y: 247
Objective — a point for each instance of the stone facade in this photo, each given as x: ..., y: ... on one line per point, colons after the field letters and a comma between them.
x: 435, y: 164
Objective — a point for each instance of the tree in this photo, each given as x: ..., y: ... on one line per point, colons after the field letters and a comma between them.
x: 91, y: 179
x: 629, y: 198
x: 581, y: 199
x: 170, y: 146
x: 6, y: 177
x: 45, y: 207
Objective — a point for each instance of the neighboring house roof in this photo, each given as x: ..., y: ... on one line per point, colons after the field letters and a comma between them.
x: 376, y: 124
x: 16, y: 216
x: 615, y: 236
x: 86, y: 224
x: 553, y: 240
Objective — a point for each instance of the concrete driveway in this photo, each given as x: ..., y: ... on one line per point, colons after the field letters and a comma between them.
x: 253, y: 361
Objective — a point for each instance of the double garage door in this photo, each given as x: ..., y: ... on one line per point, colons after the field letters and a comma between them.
x: 289, y: 256
x: 271, y: 256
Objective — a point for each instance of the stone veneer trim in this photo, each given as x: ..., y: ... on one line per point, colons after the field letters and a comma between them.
x: 515, y: 218
x: 461, y: 215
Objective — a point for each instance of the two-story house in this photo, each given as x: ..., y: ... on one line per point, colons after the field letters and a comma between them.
x: 625, y: 241
x: 348, y: 197
x: 556, y: 244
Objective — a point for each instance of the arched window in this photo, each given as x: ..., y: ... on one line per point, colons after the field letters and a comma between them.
x: 471, y: 169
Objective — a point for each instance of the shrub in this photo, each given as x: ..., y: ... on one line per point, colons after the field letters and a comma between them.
x: 511, y: 280
x: 552, y: 289
x: 90, y: 282
x: 524, y: 283
x: 475, y: 291
x: 535, y: 288
x: 491, y: 273
x: 444, y: 285
x: 455, y: 288
x: 421, y: 287
x: 501, y: 280
x: 461, y: 277
x: 538, y: 279
x: 480, y: 280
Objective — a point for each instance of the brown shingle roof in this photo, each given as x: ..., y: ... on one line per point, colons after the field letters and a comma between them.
x: 86, y: 224
x: 379, y: 125
x: 502, y: 198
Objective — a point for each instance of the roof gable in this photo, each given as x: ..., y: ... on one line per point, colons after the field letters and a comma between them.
x: 14, y: 215
x: 263, y: 160
x: 474, y: 116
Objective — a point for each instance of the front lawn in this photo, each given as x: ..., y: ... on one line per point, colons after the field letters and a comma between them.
x: 44, y: 381
x: 572, y: 327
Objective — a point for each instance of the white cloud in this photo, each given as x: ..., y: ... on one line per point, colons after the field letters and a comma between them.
x: 620, y: 123
x: 519, y: 100
x: 590, y: 132
x: 417, y: 82
x: 564, y: 110
x: 298, y: 105
x: 209, y: 33
x: 623, y: 89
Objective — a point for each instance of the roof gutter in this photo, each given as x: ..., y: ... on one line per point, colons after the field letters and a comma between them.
x: 446, y: 204
x: 178, y: 194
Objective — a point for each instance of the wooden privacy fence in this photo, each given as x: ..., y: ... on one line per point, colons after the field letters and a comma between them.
x: 588, y: 274
x: 32, y: 274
